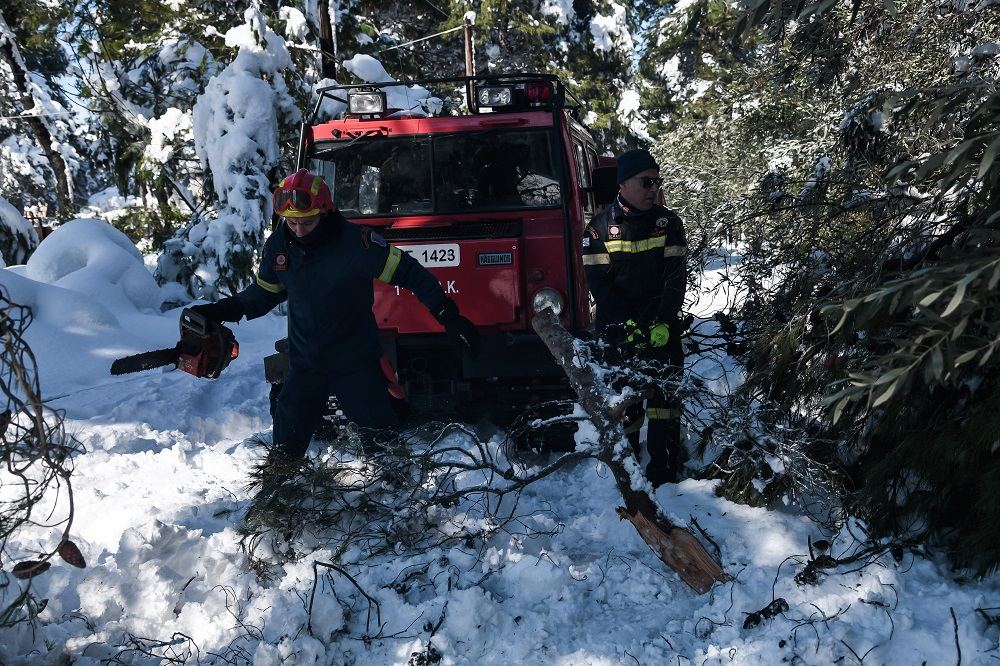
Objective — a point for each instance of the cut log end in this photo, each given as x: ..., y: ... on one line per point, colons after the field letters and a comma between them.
x: 679, y: 550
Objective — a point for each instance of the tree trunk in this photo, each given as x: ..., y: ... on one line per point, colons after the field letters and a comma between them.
x: 43, y: 137
x: 674, y: 545
x: 327, y: 41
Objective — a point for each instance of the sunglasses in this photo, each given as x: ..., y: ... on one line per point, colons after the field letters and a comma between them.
x: 300, y: 201
x: 650, y: 183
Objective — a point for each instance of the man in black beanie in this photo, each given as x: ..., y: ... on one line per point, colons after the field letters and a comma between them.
x: 634, y: 255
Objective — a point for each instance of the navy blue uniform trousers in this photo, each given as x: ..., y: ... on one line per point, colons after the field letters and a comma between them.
x: 362, y: 395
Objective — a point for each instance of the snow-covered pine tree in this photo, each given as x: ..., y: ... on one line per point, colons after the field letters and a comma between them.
x: 45, y: 169
x: 17, y: 239
x: 236, y: 129
x: 688, y: 53
x: 138, y: 68
x: 594, y: 48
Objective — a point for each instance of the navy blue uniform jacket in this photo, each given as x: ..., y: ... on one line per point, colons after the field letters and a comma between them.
x: 330, y: 293
x: 635, y: 266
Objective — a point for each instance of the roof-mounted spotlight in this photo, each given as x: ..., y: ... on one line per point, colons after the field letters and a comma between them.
x: 366, y: 103
x: 495, y: 96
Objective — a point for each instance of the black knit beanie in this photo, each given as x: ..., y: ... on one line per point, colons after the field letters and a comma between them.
x: 634, y: 161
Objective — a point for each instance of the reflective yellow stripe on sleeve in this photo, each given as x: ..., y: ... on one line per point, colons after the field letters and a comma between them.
x: 390, y: 264
x: 635, y: 246
x: 596, y: 259
x: 675, y: 251
x: 269, y: 286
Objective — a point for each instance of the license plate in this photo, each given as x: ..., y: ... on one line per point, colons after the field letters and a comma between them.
x: 439, y: 255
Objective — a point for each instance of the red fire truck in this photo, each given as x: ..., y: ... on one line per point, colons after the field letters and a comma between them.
x: 493, y: 199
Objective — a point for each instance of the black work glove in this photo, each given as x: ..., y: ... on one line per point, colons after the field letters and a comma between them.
x: 463, y: 333
x: 612, y: 344
x: 226, y: 309
x: 615, y: 335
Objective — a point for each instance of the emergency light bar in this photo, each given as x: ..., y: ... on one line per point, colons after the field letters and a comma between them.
x: 366, y: 102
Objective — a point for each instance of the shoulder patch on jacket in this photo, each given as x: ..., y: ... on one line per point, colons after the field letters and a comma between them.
x: 370, y: 237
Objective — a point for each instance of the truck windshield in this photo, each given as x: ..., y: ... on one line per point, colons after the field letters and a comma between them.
x: 444, y: 173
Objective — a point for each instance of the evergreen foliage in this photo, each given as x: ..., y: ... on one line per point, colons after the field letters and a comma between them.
x: 868, y: 241
x: 399, y: 35
x: 17, y: 239
x: 420, y: 492
x: 241, y: 171
x: 601, y: 73
x: 39, y: 140
x: 141, y: 84
x: 689, y: 54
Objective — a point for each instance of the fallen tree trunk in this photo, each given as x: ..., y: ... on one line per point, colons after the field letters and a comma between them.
x: 674, y: 545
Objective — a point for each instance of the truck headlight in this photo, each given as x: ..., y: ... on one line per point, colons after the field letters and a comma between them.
x: 365, y: 103
x: 547, y: 298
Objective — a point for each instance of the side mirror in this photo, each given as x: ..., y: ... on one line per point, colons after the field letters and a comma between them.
x: 603, y: 185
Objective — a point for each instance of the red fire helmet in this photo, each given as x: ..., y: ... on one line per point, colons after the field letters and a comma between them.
x: 302, y: 194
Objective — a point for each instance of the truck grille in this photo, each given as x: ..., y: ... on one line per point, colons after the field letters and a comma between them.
x: 463, y: 231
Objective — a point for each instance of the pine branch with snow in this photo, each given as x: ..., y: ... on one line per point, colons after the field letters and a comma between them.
x: 236, y: 127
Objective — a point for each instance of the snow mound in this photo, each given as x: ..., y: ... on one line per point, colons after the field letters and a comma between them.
x: 97, y: 260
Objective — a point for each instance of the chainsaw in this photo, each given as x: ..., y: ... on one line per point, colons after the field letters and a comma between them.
x: 205, y: 349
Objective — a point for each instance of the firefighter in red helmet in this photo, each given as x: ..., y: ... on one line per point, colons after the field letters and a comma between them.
x: 324, y: 266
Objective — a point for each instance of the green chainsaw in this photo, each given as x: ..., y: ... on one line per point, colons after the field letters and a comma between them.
x: 205, y: 349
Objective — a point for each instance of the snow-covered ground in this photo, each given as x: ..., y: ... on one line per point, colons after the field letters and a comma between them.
x: 161, y: 487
